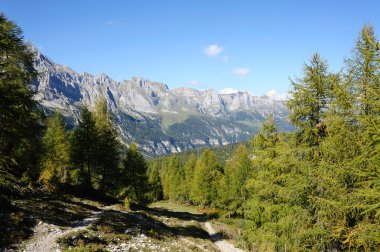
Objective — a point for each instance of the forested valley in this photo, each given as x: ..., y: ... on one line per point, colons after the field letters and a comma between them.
x: 315, y: 189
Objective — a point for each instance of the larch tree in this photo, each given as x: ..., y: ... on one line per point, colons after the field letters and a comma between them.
x: 107, y: 153
x: 237, y: 171
x: 310, y: 97
x: 206, y: 179
x: 363, y: 69
x: 84, y: 148
x: 174, y: 179
x: 134, y: 176
x: 20, y: 122
x: 265, y: 141
x: 56, y: 155
x: 189, y: 168
x: 155, y: 185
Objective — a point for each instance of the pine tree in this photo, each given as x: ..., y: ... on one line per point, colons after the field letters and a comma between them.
x: 309, y: 99
x: 19, y: 117
x: 164, y: 178
x: 84, y: 148
x: 356, y: 164
x: 189, y: 168
x: 107, y: 151
x: 265, y: 141
x: 173, y: 179
x: 364, y: 72
x: 206, y: 179
x: 155, y: 185
x: 134, y: 176
x: 56, y: 156
x: 237, y: 171
x: 277, y: 207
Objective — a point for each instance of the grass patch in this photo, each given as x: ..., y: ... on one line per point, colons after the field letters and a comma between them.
x: 172, y: 118
x: 172, y: 206
x: 82, y: 241
x: 204, y: 212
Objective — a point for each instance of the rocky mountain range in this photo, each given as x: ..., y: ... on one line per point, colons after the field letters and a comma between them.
x: 159, y: 120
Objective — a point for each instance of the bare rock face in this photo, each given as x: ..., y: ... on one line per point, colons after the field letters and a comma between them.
x: 159, y: 120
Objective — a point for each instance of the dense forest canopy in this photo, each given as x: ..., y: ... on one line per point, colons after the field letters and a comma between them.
x: 314, y: 189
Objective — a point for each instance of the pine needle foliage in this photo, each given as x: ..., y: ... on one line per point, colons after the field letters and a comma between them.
x: 317, y: 189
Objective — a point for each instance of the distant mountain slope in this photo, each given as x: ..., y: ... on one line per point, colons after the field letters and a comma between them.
x: 159, y: 120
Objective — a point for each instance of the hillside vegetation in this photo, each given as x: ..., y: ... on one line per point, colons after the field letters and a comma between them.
x: 316, y: 189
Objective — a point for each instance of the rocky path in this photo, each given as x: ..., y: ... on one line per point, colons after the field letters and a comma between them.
x: 174, y: 215
x: 180, y: 230
x: 45, y: 235
x: 223, y: 245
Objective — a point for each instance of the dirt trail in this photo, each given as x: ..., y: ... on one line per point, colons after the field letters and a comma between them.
x: 223, y: 245
x: 45, y: 235
x: 186, y: 232
x: 177, y: 216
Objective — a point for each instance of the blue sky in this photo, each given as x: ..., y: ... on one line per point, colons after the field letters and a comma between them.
x: 245, y: 45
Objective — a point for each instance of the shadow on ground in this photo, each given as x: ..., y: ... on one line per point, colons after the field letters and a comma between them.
x: 142, y: 222
x: 185, y: 216
x: 19, y: 216
x: 15, y: 224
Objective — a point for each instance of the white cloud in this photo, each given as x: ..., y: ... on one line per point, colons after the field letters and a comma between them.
x: 225, y: 58
x: 273, y: 94
x: 228, y: 91
x: 111, y: 23
x: 194, y: 82
x: 241, y: 71
x: 213, y: 50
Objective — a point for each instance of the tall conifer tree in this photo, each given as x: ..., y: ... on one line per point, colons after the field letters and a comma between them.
x: 107, y: 152
x: 84, y: 147
x: 206, y: 179
x: 134, y: 176
x: 19, y: 117
x: 56, y: 157
x: 309, y: 100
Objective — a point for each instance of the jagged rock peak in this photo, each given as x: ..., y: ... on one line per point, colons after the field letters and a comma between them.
x: 158, y: 119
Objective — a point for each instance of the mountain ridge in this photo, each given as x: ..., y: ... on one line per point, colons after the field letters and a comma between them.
x: 160, y: 120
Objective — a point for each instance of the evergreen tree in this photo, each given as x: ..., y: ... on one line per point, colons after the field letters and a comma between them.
x: 237, y: 171
x: 309, y: 99
x: 265, y: 141
x: 107, y: 151
x: 206, y: 179
x: 189, y: 168
x: 173, y: 179
x: 134, y: 176
x: 164, y: 177
x: 349, y: 154
x: 364, y: 72
x: 155, y: 185
x: 84, y: 148
x: 276, y: 210
x: 56, y: 156
x: 19, y: 117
